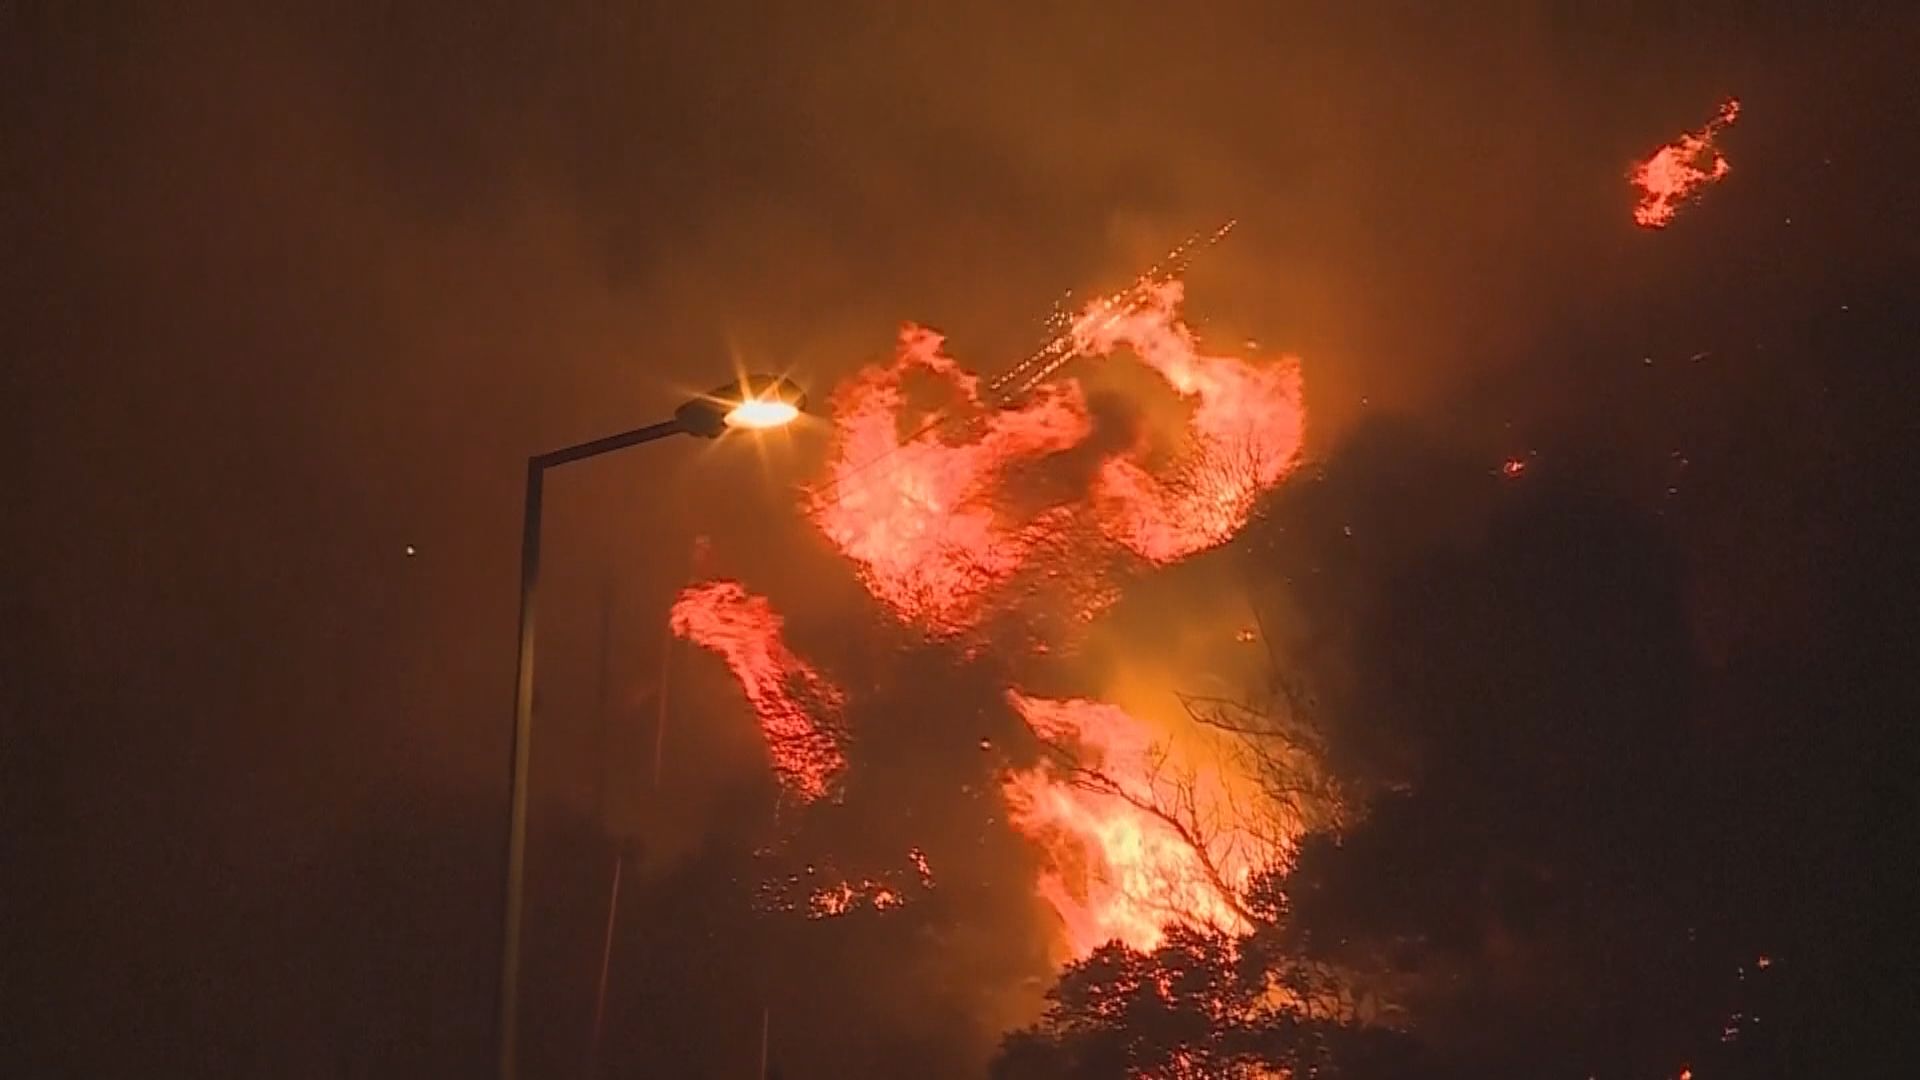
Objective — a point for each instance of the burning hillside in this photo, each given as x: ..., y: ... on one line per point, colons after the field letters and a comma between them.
x: 798, y: 709
x: 916, y: 493
x: 1137, y: 832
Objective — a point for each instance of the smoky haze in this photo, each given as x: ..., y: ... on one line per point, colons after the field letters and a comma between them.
x: 290, y: 296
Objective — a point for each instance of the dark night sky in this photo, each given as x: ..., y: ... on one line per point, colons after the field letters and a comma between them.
x: 285, y: 294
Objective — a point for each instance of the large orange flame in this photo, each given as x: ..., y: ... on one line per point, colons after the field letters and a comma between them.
x: 799, y: 709
x: 918, y: 515
x: 913, y: 493
x: 1677, y: 172
x: 1135, y: 840
x: 1244, y: 437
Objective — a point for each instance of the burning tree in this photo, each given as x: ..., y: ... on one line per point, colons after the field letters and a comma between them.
x: 1202, y: 971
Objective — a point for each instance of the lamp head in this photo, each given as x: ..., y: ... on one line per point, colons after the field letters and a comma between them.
x: 753, y: 403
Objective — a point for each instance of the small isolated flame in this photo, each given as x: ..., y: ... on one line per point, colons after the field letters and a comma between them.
x: 1244, y: 437
x: 919, y: 860
x: 1513, y: 467
x: 918, y: 515
x: 1134, y: 841
x: 885, y: 889
x: 1677, y: 172
x: 843, y: 897
x: 799, y: 709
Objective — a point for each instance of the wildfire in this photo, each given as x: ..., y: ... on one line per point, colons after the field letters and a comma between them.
x: 1134, y: 841
x: 918, y: 516
x: 1245, y: 432
x: 799, y: 710
x: 1136, y: 838
x: 1678, y: 171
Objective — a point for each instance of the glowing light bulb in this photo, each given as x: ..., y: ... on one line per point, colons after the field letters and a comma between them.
x: 757, y: 413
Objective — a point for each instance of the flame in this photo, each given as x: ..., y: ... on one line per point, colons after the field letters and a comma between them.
x: 924, y: 530
x: 1245, y: 433
x: 799, y: 709
x: 1134, y: 840
x: 1677, y: 172
x: 921, y: 516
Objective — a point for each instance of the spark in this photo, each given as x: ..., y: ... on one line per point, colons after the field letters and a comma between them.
x: 798, y: 709
x: 881, y: 892
x: 1513, y: 467
x: 1070, y: 341
x: 1676, y: 174
x: 842, y: 897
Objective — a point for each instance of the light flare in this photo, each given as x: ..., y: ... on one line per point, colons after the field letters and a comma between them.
x: 761, y: 413
x: 798, y: 708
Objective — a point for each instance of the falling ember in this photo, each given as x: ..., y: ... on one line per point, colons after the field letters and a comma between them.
x: 1244, y: 436
x: 1069, y: 342
x: 1678, y: 171
x: 918, y: 516
x: 1513, y: 467
x: 844, y: 897
x: 799, y: 709
x: 1133, y: 844
x: 884, y: 890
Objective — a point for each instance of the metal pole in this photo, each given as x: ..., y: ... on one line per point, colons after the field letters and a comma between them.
x: 523, y: 722
x: 517, y: 774
x: 766, y: 1017
x: 660, y: 707
x: 606, y: 962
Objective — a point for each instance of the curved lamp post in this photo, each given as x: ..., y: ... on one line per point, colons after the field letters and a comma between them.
x: 755, y: 402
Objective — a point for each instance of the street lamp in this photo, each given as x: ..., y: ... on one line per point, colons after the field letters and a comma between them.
x: 755, y: 402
